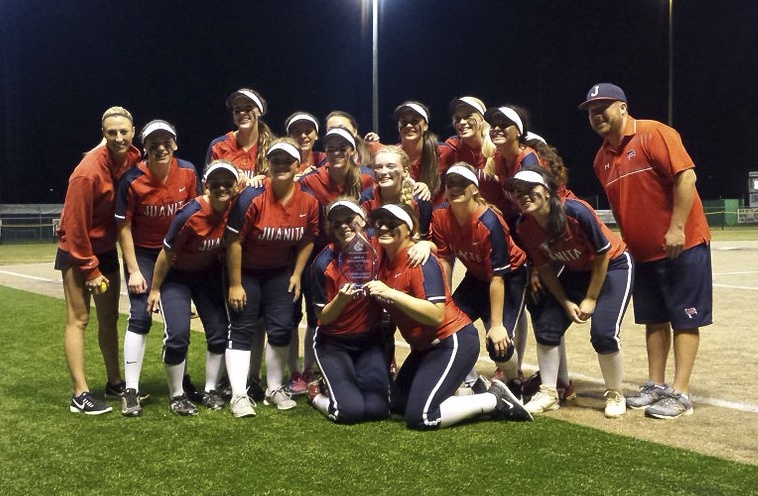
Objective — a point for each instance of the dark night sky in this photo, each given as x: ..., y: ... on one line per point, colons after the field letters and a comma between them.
x: 63, y: 63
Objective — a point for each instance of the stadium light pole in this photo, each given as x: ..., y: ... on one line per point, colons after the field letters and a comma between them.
x: 375, y: 65
x: 671, y: 64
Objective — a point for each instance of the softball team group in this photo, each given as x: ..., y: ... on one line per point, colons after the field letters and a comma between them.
x: 269, y: 222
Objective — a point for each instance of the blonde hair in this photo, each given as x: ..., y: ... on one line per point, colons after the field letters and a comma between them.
x: 265, y: 139
x: 116, y: 112
x: 406, y: 193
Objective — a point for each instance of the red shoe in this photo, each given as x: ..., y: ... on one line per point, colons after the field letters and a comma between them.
x: 297, y: 385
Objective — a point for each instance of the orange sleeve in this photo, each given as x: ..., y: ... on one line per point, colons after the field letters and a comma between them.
x: 77, y: 222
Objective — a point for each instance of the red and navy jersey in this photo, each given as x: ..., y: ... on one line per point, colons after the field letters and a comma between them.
x: 370, y: 200
x: 360, y: 316
x: 315, y: 159
x: 426, y: 282
x: 321, y: 185
x: 196, y: 236
x: 483, y: 244
x: 87, y: 227
x: 528, y: 158
x: 585, y: 237
x: 150, y: 204
x: 226, y: 147
x: 270, y: 231
x: 458, y: 151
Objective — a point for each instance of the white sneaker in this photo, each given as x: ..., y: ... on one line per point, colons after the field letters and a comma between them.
x: 615, y: 403
x: 545, y: 400
x: 241, y: 406
x: 281, y: 398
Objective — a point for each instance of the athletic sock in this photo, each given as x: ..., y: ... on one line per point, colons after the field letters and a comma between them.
x: 612, y: 367
x: 549, y: 360
x: 134, y: 355
x: 213, y: 363
x: 174, y: 377
x: 275, y: 357
x: 457, y: 408
x: 237, y: 366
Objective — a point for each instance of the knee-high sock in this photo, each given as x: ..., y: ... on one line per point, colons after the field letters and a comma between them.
x: 293, y: 352
x: 213, y: 363
x: 511, y: 367
x: 256, y: 353
x: 520, y: 337
x: 612, y: 367
x: 549, y: 358
x: 457, y: 408
x: 237, y: 365
x: 174, y: 376
x: 471, y: 377
x: 134, y: 355
x: 275, y: 358
x: 563, y: 371
x: 309, y: 356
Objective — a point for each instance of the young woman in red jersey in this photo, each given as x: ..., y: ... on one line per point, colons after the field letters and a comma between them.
x: 149, y: 196
x: 472, y: 145
x: 348, y: 345
x: 421, y: 146
x: 88, y: 260
x: 341, y: 176
x: 270, y: 236
x: 246, y: 147
x: 364, y: 148
x: 444, y: 343
x: 494, y: 286
x: 394, y: 185
x: 303, y: 128
x: 189, y: 268
x: 595, y: 283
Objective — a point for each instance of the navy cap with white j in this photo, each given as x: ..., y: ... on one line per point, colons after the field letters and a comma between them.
x: 603, y: 91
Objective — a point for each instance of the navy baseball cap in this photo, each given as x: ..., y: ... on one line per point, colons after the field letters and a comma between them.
x: 603, y: 91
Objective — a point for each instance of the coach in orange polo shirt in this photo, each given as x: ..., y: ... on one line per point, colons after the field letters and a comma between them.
x: 650, y: 182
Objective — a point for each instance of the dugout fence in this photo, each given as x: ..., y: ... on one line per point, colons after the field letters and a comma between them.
x: 29, y: 223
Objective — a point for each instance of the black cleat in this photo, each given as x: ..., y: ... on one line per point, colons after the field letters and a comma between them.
x: 508, y: 406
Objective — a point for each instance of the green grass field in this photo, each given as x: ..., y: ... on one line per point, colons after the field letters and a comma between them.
x: 47, y: 450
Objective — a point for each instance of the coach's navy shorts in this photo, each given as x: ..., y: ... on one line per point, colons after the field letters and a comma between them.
x: 107, y: 262
x: 677, y: 290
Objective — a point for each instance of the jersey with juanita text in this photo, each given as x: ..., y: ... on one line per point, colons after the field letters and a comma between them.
x: 638, y: 177
x: 482, y: 244
x: 150, y: 204
x: 585, y: 237
x: 196, y: 236
x: 270, y: 231
x: 426, y: 282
